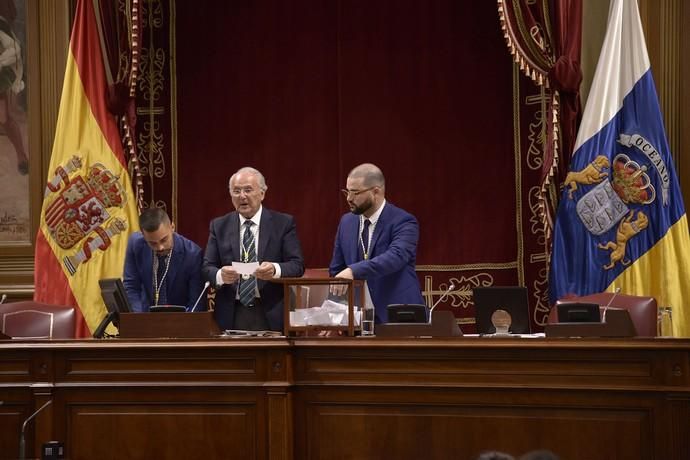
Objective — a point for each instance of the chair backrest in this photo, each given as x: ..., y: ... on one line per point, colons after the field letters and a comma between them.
x: 37, y: 320
x: 643, y: 310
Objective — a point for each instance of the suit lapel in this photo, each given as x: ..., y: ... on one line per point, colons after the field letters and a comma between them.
x: 378, y: 229
x: 264, y: 234
x: 265, y: 228
x: 175, y: 263
x: 233, y: 232
x: 355, y: 247
x: 147, y: 271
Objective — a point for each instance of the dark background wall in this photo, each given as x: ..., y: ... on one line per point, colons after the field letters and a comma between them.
x: 306, y: 90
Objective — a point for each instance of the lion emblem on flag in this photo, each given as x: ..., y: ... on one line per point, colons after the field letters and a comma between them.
x: 80, y: 209
x: 619, y: 201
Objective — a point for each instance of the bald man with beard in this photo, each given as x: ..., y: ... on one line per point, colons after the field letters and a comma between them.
x: 377, y: 242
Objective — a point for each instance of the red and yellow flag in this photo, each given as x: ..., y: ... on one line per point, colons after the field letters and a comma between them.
x: 89, y: 208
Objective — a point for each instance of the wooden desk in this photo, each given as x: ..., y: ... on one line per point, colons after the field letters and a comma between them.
x: 349, y: 398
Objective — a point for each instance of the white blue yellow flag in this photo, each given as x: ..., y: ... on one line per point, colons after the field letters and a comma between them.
x: 621, y: 222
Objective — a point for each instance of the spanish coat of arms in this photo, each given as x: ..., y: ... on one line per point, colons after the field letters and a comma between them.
x: 79, y: 212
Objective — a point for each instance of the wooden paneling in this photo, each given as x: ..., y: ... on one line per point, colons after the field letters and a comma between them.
x: 461, y: 425
x: 162, y: 423
x: 348, y: 398
x: 17, y: 405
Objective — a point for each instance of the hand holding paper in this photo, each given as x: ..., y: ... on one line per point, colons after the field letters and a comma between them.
x: 243, y: 268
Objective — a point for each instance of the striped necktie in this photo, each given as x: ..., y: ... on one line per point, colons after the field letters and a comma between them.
x: 248, y: 286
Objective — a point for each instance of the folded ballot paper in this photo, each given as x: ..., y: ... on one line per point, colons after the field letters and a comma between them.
x: 330, y: 313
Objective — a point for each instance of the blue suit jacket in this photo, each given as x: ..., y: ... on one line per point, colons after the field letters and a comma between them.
x: 390, y: 271
x: 183, y: 282
x: 278, y: 243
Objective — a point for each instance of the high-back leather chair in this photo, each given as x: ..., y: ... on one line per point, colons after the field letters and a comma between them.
x: 642, y: 310
x: 37, y: 320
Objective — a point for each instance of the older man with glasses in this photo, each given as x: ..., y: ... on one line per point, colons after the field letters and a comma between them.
x: 251, y: 234
x: 377, y: 242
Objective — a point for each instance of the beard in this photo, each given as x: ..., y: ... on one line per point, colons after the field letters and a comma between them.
x: 362, y: 208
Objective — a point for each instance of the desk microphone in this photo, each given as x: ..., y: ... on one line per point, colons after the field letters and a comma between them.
x: 445, y: 294
x: 603, y: 315
x: 206, y: 285
x: 22, y: 440
x: 4, y: 297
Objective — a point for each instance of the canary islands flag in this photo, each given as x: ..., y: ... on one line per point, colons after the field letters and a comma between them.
x: 621, y: 222
x: 88, y: 205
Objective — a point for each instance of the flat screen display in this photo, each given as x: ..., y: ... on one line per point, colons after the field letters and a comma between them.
x: 114, y: 295
x: 512, y: 299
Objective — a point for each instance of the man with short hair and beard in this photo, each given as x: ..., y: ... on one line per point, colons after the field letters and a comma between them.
x: 377, y: 242
x: 162, y: 267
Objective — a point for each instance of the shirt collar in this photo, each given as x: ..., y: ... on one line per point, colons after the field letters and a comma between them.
x: 256, y: 218
x: 375, y: 217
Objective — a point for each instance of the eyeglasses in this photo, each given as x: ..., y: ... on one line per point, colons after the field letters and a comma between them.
x: 240, y: 191
x: 347, y: 193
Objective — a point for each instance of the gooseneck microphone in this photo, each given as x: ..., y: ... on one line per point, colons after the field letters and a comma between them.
x: 440, y: 299
x: 606, y: 307
x: 4, y: 297
x: 206, y: 285
x: 22, y: 440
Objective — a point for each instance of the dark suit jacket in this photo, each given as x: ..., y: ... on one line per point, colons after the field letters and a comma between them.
x: 278, y: 243
x: 390, y: 271
x: 183, y: 282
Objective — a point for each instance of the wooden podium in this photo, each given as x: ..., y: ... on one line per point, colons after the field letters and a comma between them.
x: 168, y: 324
x: 442, y: 324
x: 616, y: 323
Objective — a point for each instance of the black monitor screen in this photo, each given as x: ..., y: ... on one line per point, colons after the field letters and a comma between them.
x: 578, y: 312
x: 406, y: 313
x: 512, y: 299
x: 114, y: 295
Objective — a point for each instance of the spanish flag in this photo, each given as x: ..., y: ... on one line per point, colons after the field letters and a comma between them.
x: 621, y: 222
x: 89, y: 208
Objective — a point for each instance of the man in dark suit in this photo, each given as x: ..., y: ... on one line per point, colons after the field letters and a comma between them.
x: 162, y: 267
x: 251, y: 233
x: 376, y: 242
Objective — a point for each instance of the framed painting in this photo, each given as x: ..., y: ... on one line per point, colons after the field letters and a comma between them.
x: 15, y: 206
x: 34, y: 39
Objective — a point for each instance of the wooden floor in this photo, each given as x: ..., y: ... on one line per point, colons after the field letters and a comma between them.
x: 348, y: 398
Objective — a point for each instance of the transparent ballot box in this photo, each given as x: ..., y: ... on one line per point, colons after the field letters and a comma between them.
x: 313, y: 305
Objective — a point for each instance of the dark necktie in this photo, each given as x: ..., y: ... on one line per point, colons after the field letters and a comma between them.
x: 161, y: 276
x: 365, y: 239
x: 248, y: 286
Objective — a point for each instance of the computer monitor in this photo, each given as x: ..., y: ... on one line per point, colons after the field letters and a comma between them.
x: 512, y: 299
x: 116, y: 302
x: 407, y: 313
x: 578, y: 312
x: 114, y: 295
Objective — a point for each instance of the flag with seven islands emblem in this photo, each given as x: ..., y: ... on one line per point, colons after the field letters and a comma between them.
x: 621, y: 222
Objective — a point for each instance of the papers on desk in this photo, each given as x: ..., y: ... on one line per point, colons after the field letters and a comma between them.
x: 245, y: 333
x: 537, y: 335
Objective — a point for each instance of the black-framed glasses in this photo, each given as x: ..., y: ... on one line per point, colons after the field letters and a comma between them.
x: 346, y: 193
